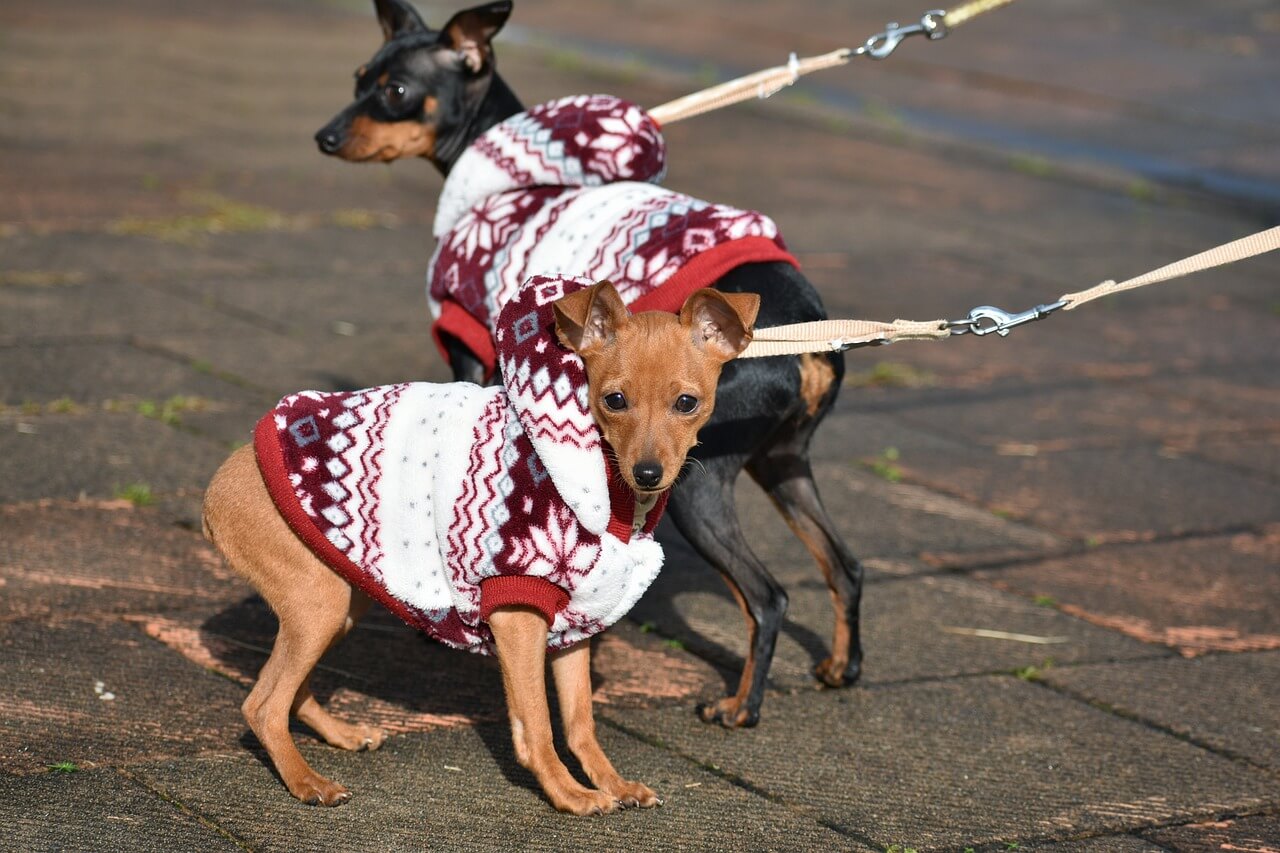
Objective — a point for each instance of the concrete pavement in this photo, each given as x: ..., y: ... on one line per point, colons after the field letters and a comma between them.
x: 175, y: 255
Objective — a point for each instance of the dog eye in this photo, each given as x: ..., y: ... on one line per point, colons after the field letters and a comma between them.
x: 394, y: 95
x: 685, y: 404
x: 615, y: 401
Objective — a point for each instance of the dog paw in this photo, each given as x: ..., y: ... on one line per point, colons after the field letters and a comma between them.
x: 729, y: 713
x: 369, y: 739
x: 351, y: 736
x: 835, y: 673
x: 632, y: 794
x: 586, y: 803
x: 316, y: 790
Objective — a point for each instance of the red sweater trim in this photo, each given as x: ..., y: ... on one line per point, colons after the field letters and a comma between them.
x: 622, y: 503
x: 704, y: 269
x: 455, y: 321
x: 266, y: 446
x: 522, y: 591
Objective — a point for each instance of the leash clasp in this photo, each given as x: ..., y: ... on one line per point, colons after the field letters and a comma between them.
x: 882, y: 45
x: 986, y: 319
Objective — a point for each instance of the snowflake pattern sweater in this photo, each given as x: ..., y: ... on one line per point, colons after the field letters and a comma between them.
x: 444, y: 502
x: 569, y: 187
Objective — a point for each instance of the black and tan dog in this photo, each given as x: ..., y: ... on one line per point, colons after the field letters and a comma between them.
x: 430, y: 93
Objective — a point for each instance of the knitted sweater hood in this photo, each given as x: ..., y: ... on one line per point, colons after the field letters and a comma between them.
x: 444, y: 502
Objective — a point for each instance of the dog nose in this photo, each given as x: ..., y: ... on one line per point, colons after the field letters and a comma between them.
x: 329, y: 140
x: 648, y: 474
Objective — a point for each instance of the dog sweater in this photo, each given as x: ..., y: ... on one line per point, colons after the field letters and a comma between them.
x: 570, y: 187
x: 445, y: 501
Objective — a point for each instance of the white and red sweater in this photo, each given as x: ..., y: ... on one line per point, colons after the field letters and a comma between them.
x: 444, y: 502
x: 569, y: 188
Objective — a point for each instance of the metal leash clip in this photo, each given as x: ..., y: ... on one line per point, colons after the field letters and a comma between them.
x: 882, y: 45
x: 986, y: 319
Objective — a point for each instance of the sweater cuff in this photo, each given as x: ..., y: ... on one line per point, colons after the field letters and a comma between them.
x: 523, y: 591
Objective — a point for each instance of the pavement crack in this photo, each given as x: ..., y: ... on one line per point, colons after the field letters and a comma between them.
x: 1161, y: 728
x: 199, y: 817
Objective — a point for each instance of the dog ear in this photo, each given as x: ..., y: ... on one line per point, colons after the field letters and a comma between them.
x: 720, y: 322
x: 398, y: 18
x: 471, y: 30
x: 588, y: 319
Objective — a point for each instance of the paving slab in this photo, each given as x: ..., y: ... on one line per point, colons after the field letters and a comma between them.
x: 1057, y: 419
x: 945, y: 765
x: 97, y: 810
x: 89, y: 375
x: 1213, y: 593
x: 878, y: 519
x: 101, y: 693
x: 914, y: 628
x: 462, y: 789
x: 107, y: 557
x: 1230, y: 702
x: 322, y: 360
x: 1260, y: 834
x: 1103, y: 494
x: 97, y: 455
x: 118, y: 309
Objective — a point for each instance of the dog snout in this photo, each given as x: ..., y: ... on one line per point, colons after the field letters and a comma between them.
x: 647, y: 474
x: 329, y: 139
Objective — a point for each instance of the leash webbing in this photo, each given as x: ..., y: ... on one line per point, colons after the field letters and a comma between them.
x: 839, y: 335
x: 1228, y: 253
x: 934, y: 24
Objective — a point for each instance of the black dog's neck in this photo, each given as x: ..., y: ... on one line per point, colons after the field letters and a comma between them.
x: 498, y: 104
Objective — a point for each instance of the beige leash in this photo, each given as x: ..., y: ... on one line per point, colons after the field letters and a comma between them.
x: 934, y: 25
x: 840, y: 335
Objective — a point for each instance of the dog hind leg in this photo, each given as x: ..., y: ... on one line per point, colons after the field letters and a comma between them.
x: 315, y: 608
x: 788, y: 479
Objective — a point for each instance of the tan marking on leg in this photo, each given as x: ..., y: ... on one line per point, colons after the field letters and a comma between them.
x: 816, y: 376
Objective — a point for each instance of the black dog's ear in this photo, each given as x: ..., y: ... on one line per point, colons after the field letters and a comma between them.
x: 398, y: 18
x: 471, y: 30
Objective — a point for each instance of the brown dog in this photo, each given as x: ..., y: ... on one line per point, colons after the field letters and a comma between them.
x: 651, y: 382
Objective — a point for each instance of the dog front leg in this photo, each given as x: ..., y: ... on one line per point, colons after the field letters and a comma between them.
x: 521, y: 637
x: 571, y: 669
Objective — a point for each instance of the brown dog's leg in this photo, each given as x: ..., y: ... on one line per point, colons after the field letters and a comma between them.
x: 571, y: 669
x: 521, y: 637
x: 336, y: 732
x: 315, y: 607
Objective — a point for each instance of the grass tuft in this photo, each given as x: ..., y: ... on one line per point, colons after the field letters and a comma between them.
x: 138, y: 494
x: 885, y: 465
x: 891, y: 374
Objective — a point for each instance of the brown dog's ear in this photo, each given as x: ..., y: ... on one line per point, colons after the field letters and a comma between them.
x: 398, y: 18
x: 721, y: 322
x: 588, y: 319
x: 471, y: 30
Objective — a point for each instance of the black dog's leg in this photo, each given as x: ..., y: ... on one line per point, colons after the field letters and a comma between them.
x: 783, y: 471
x: 466, y: 367
x: 702, y: 507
